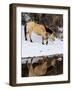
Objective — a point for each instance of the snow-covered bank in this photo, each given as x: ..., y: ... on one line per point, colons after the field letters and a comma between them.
x: 36, y: 49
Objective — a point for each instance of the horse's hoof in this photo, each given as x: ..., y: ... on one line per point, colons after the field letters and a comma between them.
x: 31, y: 41
x: 43, y: 43
x: 26, y: 39
x: 47, y: 43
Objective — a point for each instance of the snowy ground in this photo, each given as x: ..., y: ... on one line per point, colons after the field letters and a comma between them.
x: 37, y: 49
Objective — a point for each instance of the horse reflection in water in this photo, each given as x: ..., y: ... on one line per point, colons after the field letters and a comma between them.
x: 40, y: 69
x: 40, y: 30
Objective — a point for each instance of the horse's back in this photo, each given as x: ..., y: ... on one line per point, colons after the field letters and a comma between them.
x: 30, y: 24
x: 39, y: 29
x: 35, y: 26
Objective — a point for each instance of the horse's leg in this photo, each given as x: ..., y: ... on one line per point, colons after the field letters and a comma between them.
x: 30, y: 36
x: 43, y: 40
x: 31, y: 73
x: 46, y: 41
x: 25, y: 32
x: 46, y: 38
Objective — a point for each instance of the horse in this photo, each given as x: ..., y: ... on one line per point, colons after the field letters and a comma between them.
x: 42, y: 68
x: 39, y: 29
x: 39, y: 70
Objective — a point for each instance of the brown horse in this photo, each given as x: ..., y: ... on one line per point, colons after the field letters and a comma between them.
x: 41, y: 69
x: 39, y: 30
x: 38, y: 70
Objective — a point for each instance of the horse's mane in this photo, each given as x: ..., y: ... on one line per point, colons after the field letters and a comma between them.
x: 48, y: 30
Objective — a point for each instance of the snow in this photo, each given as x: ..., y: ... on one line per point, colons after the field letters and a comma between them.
x: 36, y: 48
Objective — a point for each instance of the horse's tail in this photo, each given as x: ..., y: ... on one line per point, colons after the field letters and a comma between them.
x: 25, y: 31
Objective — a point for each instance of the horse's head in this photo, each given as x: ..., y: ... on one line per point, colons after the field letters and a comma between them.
x: 53, y: 36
